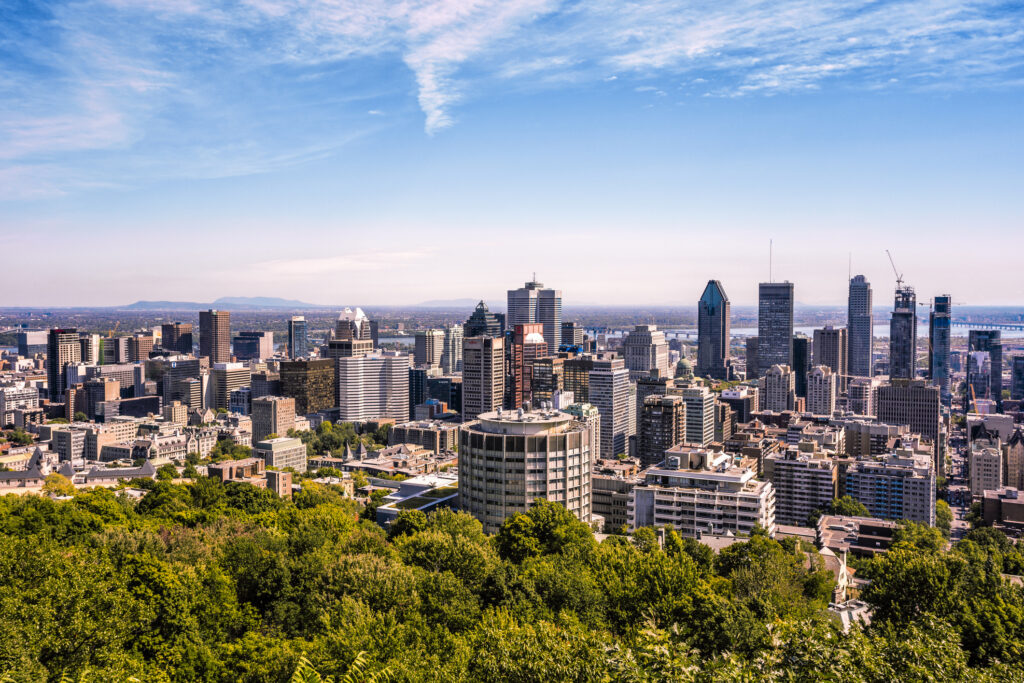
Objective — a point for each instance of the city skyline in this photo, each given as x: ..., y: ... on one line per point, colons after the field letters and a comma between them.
x: 348, y: 148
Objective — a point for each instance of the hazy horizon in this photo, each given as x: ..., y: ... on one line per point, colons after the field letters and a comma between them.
x: 371, y: 151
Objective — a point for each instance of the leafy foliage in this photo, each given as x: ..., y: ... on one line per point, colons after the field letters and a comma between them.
x: 204, y: 581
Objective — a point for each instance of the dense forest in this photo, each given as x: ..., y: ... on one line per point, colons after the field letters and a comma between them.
x: 210, y: 582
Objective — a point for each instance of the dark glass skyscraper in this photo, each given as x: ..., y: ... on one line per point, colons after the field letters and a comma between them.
x: 298, y: 341
x: 215, y: 335
x: 713, y: 332
x: 774, y: 325
x: 988, y: 341
x: 903, y: 335
x: 482, y: 323
x: 938, y: 344
x: 860, y: 328
x: 802, y: 352
x: 62, y: 349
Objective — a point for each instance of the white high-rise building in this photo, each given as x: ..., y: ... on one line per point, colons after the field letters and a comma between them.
x: 699, y: 492
x: 373, y: 387
x: 779, y: 389
x: 429, y: 348
x: 986, y: 466
x: 534, y: 304
x: 644, y: 350
x: 899, y: 486
x: 483, y: 375
x: 451, y: 353
x: 821, y: 390
x: 860, y: 395
x: 591, y: 419
x: 610, y: 392
x: 700, y: 413
x: 496, y: 448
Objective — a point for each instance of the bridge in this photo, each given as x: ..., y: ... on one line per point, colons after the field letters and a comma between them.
x: 988, y: 325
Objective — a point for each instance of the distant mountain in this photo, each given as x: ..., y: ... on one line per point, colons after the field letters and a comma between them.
x: 449, y: 303
x: 243, y: 303
x: 263, y: 302
x: 166, y: 306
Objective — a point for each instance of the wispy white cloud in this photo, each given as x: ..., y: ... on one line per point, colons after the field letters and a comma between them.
x: 225, y: 81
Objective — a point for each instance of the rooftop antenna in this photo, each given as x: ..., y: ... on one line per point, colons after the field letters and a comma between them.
x: 770, y: 249
x: 849, y: 267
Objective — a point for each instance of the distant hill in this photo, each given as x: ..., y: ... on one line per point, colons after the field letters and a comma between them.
x: 263, y: 302
x: 166, y: 306
x: 243, y: 303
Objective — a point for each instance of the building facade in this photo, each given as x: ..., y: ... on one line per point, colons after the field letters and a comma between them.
x: 774, y: 325
x: 611, y: 392
x: 779, y: 392
x: 532, y: 303
x: 699, y: 492
x: 860, y: 328
x: 822, y: 389
x: 483, y: 375
x: 310, y: 382
x: 903, y: 335
x: 645, y: 352
x: 899, y: 486
x: 429, y: 346
x: 713, y: 332
x: 662, y: 425
x: 373, y: 387
x: 803, y: 482
x: 272, y: 415
x: 509, y: 459
x: 938, y: 344
x: 298, y: 339
x: 215, y: 335
x: 62, y: 349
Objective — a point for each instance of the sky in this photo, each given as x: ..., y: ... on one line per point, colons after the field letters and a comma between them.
x: 375, y: 152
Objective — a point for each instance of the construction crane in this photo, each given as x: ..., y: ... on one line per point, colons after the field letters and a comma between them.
x: 114, y: 329
x: 899, y: 276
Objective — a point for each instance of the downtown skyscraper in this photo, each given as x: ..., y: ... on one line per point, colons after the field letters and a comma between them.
x: 215, y: 336
x: 986, y: 342
x: 860, y: 328
x: 938, y: 343
x: 774, y: 325
x: 903, y: 334
x: 534, y: 304
x: 713, y: 311
x: 62, y: 349
x: 298, y: 341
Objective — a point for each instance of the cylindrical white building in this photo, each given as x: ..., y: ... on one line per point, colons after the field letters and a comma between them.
x: 507, y: 459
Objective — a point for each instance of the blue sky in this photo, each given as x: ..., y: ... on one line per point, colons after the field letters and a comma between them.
x: 393, y: 152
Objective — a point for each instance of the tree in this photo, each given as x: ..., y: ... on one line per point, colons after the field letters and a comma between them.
x: 846, y: 506
x: 546, y: 528
x: 167, y: 472
x: 356, y: 673
x: 920, y: 536
x: 81, y: 417
x: 974, y: 516
x: 943, y: 517
x: 370, y: 509
x: 19, y: 437
x: 58, y: 485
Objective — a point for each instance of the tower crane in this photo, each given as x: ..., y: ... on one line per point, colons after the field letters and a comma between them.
x: 899, y: 275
